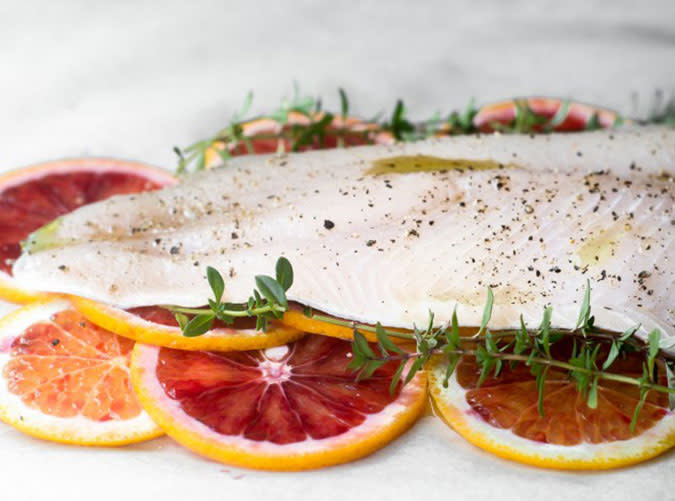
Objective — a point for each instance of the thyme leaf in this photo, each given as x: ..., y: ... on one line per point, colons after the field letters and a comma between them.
x: 284, y: 273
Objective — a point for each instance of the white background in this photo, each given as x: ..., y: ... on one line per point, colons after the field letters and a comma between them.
x: 131, y: 79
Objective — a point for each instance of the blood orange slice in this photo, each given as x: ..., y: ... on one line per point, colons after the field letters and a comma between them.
x: 291, y: 407
x: 158, y: 326
x: 576, y: 118
x: 339, y: 328
x: 34, y: 196
x: 502, y: 416
x: 267, y: 135
x: 66, y: 380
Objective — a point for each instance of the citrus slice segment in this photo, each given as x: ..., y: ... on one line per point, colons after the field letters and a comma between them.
x: 66, y: 380
x: 292, y: 407
x: 501, y: 416
x: 268, y: 135
x: 577, y: 115
x: 339, y: 328
x: 158, y: 326
x: 296, y: 319
x: 34, y: 196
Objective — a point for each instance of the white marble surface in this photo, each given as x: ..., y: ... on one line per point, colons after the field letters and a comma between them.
x: 131, y: 79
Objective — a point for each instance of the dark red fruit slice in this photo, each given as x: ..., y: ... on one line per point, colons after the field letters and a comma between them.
x: 162, y: 316
x: 267, y: 135
x: 577, y: 116
x: 31, y: 199
x: 282, y: 395
x: 510, y: 402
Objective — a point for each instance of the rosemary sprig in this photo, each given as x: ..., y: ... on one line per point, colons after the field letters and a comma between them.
x: 491, y: 350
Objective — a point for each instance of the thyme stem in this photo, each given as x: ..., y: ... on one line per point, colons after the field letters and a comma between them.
x: 537, y: 360
x: 272, y: 308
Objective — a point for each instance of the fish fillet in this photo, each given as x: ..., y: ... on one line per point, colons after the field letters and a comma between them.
x: 387, y: 233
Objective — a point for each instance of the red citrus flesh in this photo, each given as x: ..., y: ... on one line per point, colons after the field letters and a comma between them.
x: 28, y: 205
x: 155, y: 314
x: 282, y: 395
x: 267, y: 135
x: 510, y: 402
x: 576, y: 119
x: 67, y: 367
x: 265, y: 145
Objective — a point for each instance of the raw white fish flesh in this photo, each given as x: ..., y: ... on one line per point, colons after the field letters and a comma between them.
x: 387, y: 233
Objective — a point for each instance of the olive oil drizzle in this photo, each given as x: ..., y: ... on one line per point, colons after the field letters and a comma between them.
x: 410, y: 164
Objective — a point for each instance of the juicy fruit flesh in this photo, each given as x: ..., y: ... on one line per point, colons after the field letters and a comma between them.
x: 28, y: 206
x: 68, y: 367
x: 282, y: 395
x: 510, y: 402
x: 156, y: 315
x: 576, y: 118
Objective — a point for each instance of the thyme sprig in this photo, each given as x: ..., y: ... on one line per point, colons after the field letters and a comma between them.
x: 267, y: 302
x: 319, y: 123
x: 594, y: 351
x: 193, y: 157
x: 534, y: 348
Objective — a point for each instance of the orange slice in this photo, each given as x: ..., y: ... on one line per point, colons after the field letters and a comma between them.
x: 501, y: 416
x: 577, y: 117
x: 292, y: 407
x: 34, y: 196
x: 66, y: 380
x: 296, y: 319
x: 158, y: 326
x: 266, y: 135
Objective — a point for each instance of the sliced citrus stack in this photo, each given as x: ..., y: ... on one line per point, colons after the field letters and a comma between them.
x: 577, y: 116
x: 292, y: 407
x: 502, y: 416
x: 158, y: 326
x: 34, y: 196
x: 66, y: 380
x: 268, y: 135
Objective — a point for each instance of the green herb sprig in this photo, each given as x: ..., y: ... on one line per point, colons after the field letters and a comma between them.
x: 319, y: 124
x: 193, y: 157
x: 533, y: 348
x: 267, y: 302
x: 491, y: 350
